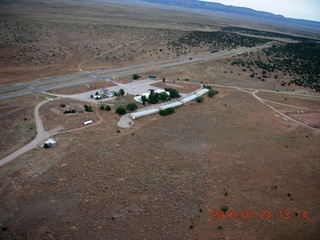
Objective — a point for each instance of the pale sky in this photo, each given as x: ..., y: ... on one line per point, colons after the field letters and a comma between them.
x: 300, y: 9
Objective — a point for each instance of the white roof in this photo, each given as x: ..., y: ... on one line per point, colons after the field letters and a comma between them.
x: 189, y: 98
x: 171, y: 105
x: 144, y: 113
x: 50, y: 140
x: 202, y: 91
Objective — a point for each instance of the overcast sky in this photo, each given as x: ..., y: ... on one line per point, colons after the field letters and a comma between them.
x: 301, y: 9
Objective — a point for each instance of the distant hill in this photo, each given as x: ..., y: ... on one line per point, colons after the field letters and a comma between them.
x: 247, y: 12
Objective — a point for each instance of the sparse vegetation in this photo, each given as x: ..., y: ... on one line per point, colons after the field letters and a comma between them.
x: 108, y: 178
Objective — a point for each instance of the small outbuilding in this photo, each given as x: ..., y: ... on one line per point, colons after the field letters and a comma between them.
x: 107, y: 92
x: 51, y: 142
x: 87, y: 122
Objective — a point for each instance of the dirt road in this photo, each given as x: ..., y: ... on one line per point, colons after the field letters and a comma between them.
x: 42, y: 135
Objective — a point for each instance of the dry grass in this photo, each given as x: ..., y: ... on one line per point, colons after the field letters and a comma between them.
x: 181, y: 87
x: 154, y: 179
x: 149, y: 181
x: 82, y: 88
x: 17, y: 122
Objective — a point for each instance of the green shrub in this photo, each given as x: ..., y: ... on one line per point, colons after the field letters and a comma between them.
x: 163, y: 96
x: 121, y: 110
x: 131, y: 106
x: 207, y: 86
x: 173, y: 92
x: 101, y: 107
x: 46, y: 145
x: 121, y: 92
x: 62, y: 105
x: 88, y: 108
x: 153, y: 98
x: 224, y: 208
x: 220, y: 227
x: 69, y: 111
x: 212, y: 92
x: 144, y: 99
x: 135, y: 76
x: 199, y: 99
x: 166, y: 112
x: 107, y: 108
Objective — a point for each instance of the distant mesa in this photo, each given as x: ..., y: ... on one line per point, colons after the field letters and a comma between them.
x: 247, y: 12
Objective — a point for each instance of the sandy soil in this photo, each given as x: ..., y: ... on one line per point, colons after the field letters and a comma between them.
x: 17, y: 122
x: 157, y: 179
x: 164, y: 177
x: 83, y: 88
x: 179, y: 86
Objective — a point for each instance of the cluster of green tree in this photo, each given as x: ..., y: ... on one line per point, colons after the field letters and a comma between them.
x: 120, y: 93
x: 154, y: 97
x: 88, y: 108
x: 107, y: 107
x: 173, y: 93
x: 263, y: 33
x: 298, y: 60
x: 166, y: 112
x: 215, y: 41
x: 69, y: 111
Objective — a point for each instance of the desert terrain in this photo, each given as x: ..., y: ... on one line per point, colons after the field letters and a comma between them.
x: 252, y: 149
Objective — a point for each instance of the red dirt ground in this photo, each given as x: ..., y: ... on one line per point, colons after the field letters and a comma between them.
x: 167, y: 174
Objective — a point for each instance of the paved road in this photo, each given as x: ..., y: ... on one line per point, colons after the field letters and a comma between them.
x: 51, y: 83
